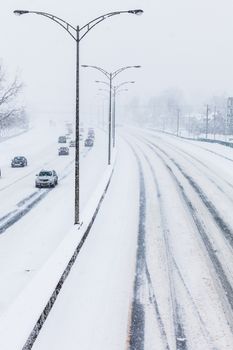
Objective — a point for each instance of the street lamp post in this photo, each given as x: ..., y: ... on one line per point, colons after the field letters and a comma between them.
x: 77, y: 34
x: 110, y: 77
x: 115, y: 90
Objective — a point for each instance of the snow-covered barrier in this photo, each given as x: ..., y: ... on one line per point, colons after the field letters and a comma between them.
x: 17, y: 133
x: 221, y: 142
x: 21, y: 324
x: 224, y: 143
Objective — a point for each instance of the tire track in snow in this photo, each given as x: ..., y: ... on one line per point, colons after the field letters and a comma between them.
x: 136, y: 340
x: 223, y: 226
x: 137, y: 329
x: 153, y: 301
x: 180, y: 338
x: 189, y: 157
x: 173, y: 265
x: 227, y: 289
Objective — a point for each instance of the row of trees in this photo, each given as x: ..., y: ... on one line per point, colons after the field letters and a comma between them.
x: 170, y: 112
x: 12, y: 113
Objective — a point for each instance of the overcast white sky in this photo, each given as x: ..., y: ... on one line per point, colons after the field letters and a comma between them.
x: 186, y: 44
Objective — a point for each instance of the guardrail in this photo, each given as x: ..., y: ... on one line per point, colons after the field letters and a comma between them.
x: 221, y: 142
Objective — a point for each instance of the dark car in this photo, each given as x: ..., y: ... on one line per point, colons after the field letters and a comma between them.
x: 89, y: 142
x: 19, y: 161
x: 63, y: 151
x: 62, y: 139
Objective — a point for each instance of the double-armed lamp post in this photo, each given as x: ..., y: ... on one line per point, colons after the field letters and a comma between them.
x: 110, y: 77
x: 115, y: 91
x: 77, y: 33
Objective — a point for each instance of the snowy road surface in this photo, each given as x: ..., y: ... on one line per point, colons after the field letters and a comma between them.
x: 40, y: 226
x: 156, y: 271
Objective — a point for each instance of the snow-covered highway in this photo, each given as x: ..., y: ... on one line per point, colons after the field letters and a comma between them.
x: 156, y: 270
x: 27, y: 241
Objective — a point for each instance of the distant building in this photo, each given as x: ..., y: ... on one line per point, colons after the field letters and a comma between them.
x: 230, y: 115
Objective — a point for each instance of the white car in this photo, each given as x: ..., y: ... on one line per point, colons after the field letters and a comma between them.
x: 46, y: 178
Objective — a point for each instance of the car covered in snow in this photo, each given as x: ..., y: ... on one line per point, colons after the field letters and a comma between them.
x: 62, y: 139
x: 19, y: 161
x: 46, y: 178
x: 89, y: 142
x: 72, y: 143
x: 91, y: 133
x: 63, y: 151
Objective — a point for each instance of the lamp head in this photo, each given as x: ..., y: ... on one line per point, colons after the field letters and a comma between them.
x: 85, y: 65
x: 137, y: 66
x: 20, y: 12
x: 136, y: 12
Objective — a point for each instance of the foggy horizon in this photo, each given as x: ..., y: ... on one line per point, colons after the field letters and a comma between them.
x: 180, y: 45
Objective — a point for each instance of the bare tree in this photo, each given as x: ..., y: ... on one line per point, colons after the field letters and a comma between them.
x: 11, y: 113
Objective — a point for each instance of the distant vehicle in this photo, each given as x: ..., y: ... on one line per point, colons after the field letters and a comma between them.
x: 69, y: 127
x: 46, y: 178
x: 91, y: 136
x: 19, y: 161
x: 62, y: 139
x: 89, y: 142
x: 63, y: 151
x: 80, y: 137
x: 91, y: 133
x: 72, y: 143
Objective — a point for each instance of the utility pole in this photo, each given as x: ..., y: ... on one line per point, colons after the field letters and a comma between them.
x: 214, y: 122
x: 189, y: 124
x: 207, y: 122
x: 178, y: 122
x: 114, y: 116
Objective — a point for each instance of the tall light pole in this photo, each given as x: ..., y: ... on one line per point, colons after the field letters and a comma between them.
x: 110, y: 77
x: 115, y: 90
x: 77, y: 33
